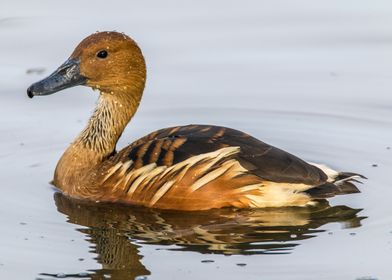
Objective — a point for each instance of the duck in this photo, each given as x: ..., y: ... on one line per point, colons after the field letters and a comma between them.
x: 186, y: 168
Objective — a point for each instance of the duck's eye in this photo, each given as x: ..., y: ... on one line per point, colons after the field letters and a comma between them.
x: 102, y: 54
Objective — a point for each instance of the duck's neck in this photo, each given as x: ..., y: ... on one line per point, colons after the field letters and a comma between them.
x: 98, y: 140
x: 106, y: 125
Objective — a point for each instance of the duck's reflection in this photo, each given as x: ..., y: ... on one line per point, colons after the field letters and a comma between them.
x: 115, y: 230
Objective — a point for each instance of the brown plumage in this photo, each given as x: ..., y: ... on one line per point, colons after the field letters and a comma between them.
x: 194, y: 167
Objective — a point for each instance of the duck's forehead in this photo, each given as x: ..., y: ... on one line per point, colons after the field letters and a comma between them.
x: 102, y: 40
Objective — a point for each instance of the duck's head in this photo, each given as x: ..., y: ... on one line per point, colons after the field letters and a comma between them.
x: 109, y: 61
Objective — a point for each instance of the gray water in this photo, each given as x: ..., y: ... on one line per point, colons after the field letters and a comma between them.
x: 311, y: 77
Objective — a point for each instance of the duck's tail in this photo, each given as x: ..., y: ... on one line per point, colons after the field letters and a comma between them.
x: 338, y: 183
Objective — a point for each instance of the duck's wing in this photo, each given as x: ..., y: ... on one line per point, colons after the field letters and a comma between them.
x: 169, y: 146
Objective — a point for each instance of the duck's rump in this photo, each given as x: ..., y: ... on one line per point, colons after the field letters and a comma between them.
x: 199, y: 167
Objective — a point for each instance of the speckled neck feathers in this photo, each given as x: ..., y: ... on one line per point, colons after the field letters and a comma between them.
x: 107, y: 123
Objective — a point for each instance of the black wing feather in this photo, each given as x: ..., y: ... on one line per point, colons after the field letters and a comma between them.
x: 260, y: 158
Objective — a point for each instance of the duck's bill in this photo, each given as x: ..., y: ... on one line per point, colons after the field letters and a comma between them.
x: 66, y: 76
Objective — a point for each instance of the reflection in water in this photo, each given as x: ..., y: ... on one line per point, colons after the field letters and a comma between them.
x: 116, y: 230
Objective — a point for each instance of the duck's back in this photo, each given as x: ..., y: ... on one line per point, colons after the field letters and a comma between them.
x: 199, y: 167
x: 173, y: 145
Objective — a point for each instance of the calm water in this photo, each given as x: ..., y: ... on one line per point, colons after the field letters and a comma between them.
x: 311, y: 77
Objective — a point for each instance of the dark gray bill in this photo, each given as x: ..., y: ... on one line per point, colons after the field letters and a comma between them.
x: 66, y: 76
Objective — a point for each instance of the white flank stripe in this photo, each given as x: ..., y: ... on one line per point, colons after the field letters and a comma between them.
x: 158, y: 195
x: 140, y: 174
x: 253, y: 187
x: 208, y: 178
x: 112, y: 171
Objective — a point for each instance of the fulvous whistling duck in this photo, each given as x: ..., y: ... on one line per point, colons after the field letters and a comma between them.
x: 193, y: 167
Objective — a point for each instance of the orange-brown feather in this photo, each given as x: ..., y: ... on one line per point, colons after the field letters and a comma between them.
x: 192, y: 167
